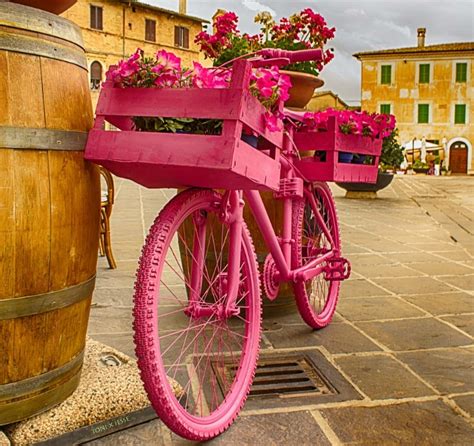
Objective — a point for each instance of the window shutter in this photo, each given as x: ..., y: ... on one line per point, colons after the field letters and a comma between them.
x: 186, y: 37
x: 176, y: 36
x: 100, y: 18
x: 461, y: 72
x: 386, y: 77
x: 385, y: 109
x: 150, y: 30
x: 424, y: 75
x: 460, y: 114
x: 423, y: 113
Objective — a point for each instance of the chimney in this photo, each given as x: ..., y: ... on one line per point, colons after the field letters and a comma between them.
x: 182, y: 6
x: 421, y: 36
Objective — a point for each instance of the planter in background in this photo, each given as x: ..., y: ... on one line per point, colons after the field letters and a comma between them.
x: 383, y: 180
x: 54, y: 6
x: 302, y: 88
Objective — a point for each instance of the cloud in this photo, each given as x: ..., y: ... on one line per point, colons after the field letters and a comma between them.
x: 355, y: 12
x: 402, y: 29
x: 258, y: 7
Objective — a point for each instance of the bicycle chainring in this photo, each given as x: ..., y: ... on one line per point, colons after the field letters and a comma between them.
x: 271, y: 285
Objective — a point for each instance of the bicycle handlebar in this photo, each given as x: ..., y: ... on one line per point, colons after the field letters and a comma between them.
x: 293, y: 56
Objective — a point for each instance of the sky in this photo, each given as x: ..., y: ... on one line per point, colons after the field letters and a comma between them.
x: 361, y: 25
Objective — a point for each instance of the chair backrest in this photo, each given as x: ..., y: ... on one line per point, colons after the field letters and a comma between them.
x: 109, y: 180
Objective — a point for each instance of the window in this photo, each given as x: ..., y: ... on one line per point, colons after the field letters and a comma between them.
x: 424, y: 73
x: 461, y: 72
x: 423, y: 113
x: 96, y: 75
x: 460, y: 114
x: 181, y: 36
x: 150, y: 30
x: 96, y: 17
x: 385, y: 108
x: 386, y: 74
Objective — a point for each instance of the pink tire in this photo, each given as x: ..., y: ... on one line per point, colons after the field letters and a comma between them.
x: 316, y: 298
x: 210, y: 359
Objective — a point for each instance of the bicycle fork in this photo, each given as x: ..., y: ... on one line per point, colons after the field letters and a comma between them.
x: 227, y: 284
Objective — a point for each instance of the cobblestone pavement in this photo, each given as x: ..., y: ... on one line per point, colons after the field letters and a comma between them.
x: 402, y: 338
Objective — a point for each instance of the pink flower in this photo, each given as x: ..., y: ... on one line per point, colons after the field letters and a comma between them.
x: 272, y: 123
x: 168, y: 61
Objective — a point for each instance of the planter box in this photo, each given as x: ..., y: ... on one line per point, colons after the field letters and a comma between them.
x: 330, y: 143
x: 158, y: 160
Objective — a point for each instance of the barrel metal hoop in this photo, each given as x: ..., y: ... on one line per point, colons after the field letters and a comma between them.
x: 42, y: 303
x: 28, y: 387
x: 25, y: 18
x: 41, y: 139
x: 45, y: 48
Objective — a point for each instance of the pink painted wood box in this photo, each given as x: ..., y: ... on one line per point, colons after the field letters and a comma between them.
x: 157, y: 160
x: 329, y: 144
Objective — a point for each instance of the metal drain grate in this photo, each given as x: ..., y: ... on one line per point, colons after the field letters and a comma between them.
x: 304, y: 377
x: 287, y: 376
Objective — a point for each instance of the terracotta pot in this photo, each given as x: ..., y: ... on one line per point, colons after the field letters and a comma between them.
x: 303, y: 86
x: 55, y: 6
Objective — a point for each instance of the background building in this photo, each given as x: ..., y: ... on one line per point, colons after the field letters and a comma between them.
x: 114, y: 29
x: 322, y: 100
x: 430, y: 91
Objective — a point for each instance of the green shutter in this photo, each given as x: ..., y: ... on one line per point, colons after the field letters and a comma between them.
x: 424, y: 77
x: 423, y: 113
x: 460, y: 114
x: 385, y: 109
x: 461, y: 72
x: 386, y: 77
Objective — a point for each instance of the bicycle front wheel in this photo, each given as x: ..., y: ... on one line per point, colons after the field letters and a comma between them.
x: 316, y: 298
x: 196, y: 364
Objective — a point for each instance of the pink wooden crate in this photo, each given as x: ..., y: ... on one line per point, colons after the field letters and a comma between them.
x: 330, y: 143
x: 156, y: 160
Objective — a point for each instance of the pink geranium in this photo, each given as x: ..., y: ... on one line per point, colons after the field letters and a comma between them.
x: 168, y: 61
x: 269, y: 86
x: 352, y: 122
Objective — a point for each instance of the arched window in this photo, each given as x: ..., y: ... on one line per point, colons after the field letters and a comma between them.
x: 96, y: 75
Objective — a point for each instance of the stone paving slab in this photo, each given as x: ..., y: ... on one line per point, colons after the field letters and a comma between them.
x: 448, y: 303
x: 374, y: 308
x: 424, y: 423
x: 382, y: 377
x: 413, y: 334
x: 448, y: 370
x: 336, y: 338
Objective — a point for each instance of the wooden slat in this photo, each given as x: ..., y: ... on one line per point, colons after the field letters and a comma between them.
x: 67, y: 99
x: 25, y: 92
x: 211, y: 103
x: 32, y: 222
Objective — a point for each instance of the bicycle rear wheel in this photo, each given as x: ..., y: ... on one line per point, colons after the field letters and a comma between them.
x: 316, y: 298
x: 210, y: 359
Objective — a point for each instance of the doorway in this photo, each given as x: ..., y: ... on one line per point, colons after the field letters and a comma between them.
x: 458, y: 157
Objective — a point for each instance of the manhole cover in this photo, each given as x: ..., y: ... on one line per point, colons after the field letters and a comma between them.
x: 304, y: 377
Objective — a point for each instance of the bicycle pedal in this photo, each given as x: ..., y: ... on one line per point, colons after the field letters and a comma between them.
x: 337, y: 269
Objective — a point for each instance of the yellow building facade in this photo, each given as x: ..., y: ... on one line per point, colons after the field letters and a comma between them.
x: 322, y: 100
x: 114, y: 29
x: 430, y: 90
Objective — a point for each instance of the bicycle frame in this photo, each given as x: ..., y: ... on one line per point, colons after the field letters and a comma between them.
x: 279, y: 247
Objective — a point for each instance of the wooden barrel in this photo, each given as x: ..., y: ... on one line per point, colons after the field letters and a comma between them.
x: 49, y: 210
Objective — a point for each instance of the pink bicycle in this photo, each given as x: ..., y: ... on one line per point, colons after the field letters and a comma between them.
x: 197, y: 315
